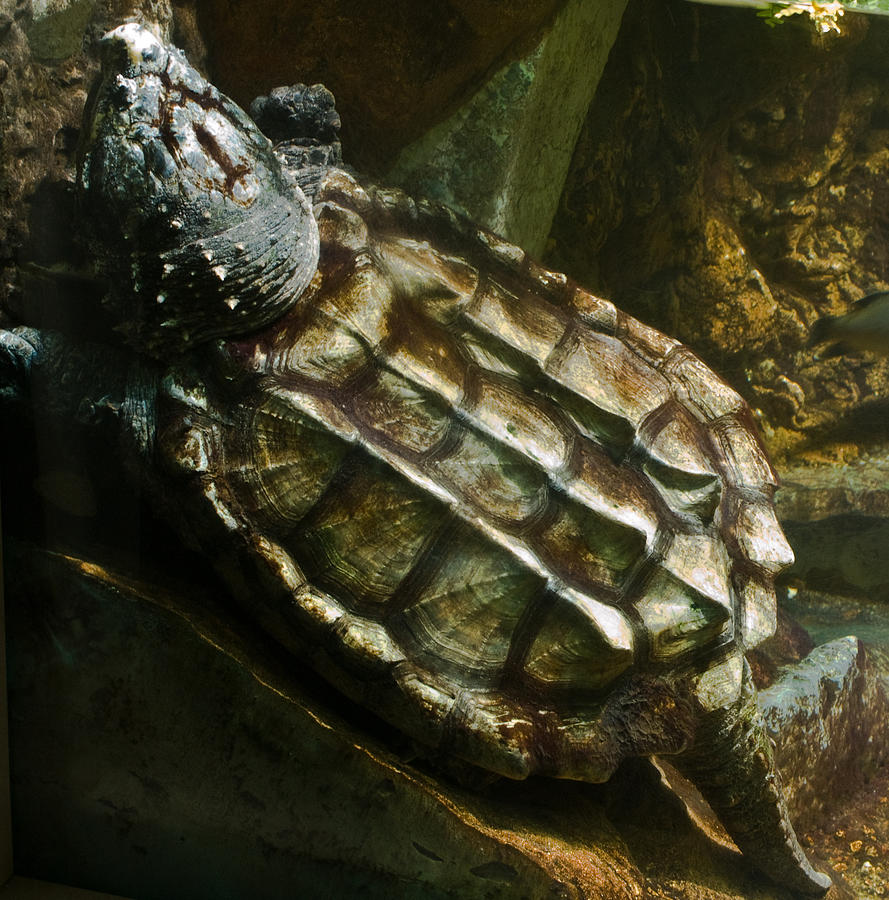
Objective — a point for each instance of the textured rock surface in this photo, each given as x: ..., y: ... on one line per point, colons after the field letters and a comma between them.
x: 837, y: 520
x: 394, y: 71
x: 248, y: 782
x: 843, y: 554
x: 859, y: 487
x: 728, y: 187
x: 829, y: 716
x: 503, y: 156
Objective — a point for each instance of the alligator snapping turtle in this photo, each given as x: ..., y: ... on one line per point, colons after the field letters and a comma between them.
x: 519, y: 525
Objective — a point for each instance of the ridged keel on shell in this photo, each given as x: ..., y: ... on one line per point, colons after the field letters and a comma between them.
x: 514, y: 522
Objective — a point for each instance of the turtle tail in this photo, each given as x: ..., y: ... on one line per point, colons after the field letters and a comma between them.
x: 733, y: 766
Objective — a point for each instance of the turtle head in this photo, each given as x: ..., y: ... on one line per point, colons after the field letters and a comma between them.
x: 199, y: 230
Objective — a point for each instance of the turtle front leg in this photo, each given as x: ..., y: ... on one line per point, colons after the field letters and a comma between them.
x: 732, y: 765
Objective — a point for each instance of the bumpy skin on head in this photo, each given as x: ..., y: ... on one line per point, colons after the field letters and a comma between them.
x: 304, y: 124
x: 298, y: 113
x: 440, y: 432
x: 200, y: 231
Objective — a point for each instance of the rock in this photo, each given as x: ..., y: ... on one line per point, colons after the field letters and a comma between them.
x: 157, y: 751
x: 829, y: 718
x: 726, y: 188
x: 836, y: 517
x: 160, y: 747
x: 58, y: 27
x: 418, y: 102
x: 789, y: 644
x: 502, y: 157
x: 857, y: 486
x: 395, y: 71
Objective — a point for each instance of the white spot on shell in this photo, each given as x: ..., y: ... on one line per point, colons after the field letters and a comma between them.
x: 205, y: 215
x: 220, y: 272
x: 168, y: 268
x: 239, y: 247
x: 161, y: 297
x: 207, y: 254
x: 175, y: 224
x: 231, y: 302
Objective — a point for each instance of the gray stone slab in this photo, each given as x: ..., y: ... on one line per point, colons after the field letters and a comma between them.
x: 829, y: 718
x: 503, y: 156
x: 159, y: 752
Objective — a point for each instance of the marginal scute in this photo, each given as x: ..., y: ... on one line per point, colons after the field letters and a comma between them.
x: 341, y: 227
x: 760, y: 537
x: 321, y: 608
x: 522, y: 322
x: 395, y: 203
x: 602, y: 369
x: 651, y: 344
x: 709, y: 394
x: 340, y: 187
x: 582, y: 645
x: 487, y: 728
x: 502, y: 251
x: 496, y: 360
x: 368, y: 645
x: 678, y: 619
x: 431, y: 698
x: 594, y: 311
x: 759, y: 609
x: 553, y: 285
